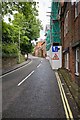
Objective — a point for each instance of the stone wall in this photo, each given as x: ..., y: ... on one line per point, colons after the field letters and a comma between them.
x: 8, y: 62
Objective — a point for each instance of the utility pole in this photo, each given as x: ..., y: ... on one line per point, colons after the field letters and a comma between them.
x: 19, y: 44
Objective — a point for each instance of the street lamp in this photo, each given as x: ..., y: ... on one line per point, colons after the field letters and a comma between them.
x: 19, y: 44
x: 19, y: 40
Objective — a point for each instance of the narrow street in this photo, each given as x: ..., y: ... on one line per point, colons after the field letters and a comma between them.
x: 40, y: 60
x: 32, y: 92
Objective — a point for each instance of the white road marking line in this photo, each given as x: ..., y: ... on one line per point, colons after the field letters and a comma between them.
x: 41, y: 61
x: 64, y: 99
x: 39, y: 65
x: 25, y: 78
x: 15, y: 70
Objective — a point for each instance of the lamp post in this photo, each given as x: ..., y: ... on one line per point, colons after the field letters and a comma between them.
x: 19, y: 44
x: 19, y: 41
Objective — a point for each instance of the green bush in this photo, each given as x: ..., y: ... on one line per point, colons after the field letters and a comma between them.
x: 9, y: 50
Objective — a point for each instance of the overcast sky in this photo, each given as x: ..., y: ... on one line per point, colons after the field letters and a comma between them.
x: 44, y: 7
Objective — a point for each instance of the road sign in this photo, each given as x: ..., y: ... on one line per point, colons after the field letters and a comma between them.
x: 55, y: 57
x: 54, y: 48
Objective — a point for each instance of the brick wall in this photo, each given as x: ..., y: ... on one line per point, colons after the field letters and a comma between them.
x: 72, y: 63
x: 40, y: 49
x: 72, y: 36
x: 76, y: 29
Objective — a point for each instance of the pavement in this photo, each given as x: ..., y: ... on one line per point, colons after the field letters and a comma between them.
x: 4, y: 71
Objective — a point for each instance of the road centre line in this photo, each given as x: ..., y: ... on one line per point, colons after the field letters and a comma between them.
x: 15, y: 70
x: 25, y: 78
x: 39, y: 65
x: 64, y: 99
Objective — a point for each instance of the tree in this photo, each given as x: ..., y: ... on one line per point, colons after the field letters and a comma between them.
x: 7, y: 32
x: 26, y: 8
x: 25, y: 18
x: 9, y: 48
x: 21, y: 23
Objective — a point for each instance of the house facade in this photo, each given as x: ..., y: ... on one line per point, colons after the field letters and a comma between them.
x: 40, y: 49
x: 70, y: 36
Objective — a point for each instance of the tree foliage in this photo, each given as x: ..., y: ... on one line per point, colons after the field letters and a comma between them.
x: 25, y: 21
x: 10, y: 50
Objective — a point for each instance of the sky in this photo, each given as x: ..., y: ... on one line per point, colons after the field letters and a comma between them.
x: 44, y: 7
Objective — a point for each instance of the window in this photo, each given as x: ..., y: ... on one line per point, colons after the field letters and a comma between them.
x: 67, y: 60
x: 66, y: 24
x: 77, y: 61
x: 72, y: 2
x: 76, y: 8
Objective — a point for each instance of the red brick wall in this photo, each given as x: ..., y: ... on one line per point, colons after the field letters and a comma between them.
x: 76, y: 25
x: 79, y: 7
x: 40, y: 49
x: 62, y: 33
x: 76, y: 29
x: 72, y: 36
x: 72, y: 63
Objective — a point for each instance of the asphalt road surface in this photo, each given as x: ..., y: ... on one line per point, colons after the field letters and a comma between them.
x: 32, y: 91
